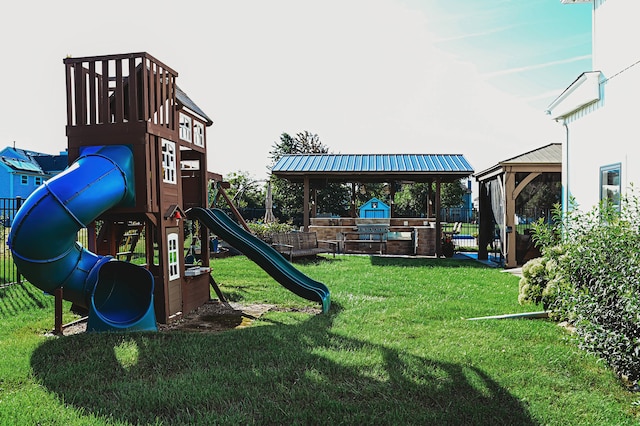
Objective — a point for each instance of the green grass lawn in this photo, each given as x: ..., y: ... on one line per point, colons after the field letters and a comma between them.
x: 395, y: 348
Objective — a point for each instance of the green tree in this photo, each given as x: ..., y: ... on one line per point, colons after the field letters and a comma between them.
x: 452, y: 194
x: 245, y: 191
x: 411, y: 200
x: 332, y: 198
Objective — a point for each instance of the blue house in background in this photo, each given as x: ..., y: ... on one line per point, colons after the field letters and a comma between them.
x: 463, y: 213
x: 22, y: 171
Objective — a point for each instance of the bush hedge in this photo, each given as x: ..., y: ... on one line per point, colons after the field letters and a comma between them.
x: 589, y: 274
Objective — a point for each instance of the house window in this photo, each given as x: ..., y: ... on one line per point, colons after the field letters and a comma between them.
x: 185, y: 127
x: 610, y: 188
x: 168, y: 161
x: 37, y: 180
x: 24, y: 179
x: 172, y: 244
x: 198, y: 134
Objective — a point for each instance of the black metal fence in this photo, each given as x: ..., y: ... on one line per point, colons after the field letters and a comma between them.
x: 465, y: 239
x: 8, y: 271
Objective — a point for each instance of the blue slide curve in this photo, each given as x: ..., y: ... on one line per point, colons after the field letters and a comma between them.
x: 263, y: 254
x: 118, y: 295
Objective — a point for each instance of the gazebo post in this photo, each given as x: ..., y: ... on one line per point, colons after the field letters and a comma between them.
x: 305, y: 207
x: 510, y: 216
x: 314, y: 202
x: 353, y: 199
x: 438, y: 223
x: 392, y: 197
x: 429, y: 195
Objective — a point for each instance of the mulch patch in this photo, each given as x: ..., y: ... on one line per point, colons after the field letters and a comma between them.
x: 212, y: 317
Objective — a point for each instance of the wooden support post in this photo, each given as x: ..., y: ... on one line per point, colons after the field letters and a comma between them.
x: 509, y: 220
x: 438, y: 222
x: 314, y: 204
x: 429, y: 196
x: 305, y: 207
x: 234, y: 209
x: 353, y: 199
x: 485, y: 220
x: 213, y: 284
x: 392, y: 198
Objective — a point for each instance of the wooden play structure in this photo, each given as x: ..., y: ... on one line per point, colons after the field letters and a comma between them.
x: 133, y: 100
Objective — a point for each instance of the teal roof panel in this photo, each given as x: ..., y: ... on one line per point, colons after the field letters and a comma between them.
x: 371, y: 163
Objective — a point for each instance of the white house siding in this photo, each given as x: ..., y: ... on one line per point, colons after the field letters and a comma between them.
x: 615, y: 35
x: 607, y: 132
x: 602, y: 134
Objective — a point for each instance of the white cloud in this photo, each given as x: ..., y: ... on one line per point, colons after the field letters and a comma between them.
x: 536, y: 66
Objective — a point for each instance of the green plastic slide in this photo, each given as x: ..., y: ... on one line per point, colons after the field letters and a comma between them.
x: 263, y: 255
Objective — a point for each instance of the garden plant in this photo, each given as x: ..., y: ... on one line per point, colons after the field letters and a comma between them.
x: 589, y: 275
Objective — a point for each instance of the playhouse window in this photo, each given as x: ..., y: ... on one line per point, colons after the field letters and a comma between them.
x: 610, y: 185
x: 168, y: 161
x: 172, y: 244
x: 24, y: 179
x: 185, y: 127
x: 198, y: 134
x: 37, y: 180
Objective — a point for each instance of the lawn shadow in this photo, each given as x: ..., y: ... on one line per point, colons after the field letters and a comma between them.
x: 283, y: 371
x: 314, y: 260
x: 21, y: 296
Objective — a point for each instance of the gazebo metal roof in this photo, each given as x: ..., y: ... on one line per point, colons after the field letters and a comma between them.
x: 373, y: 167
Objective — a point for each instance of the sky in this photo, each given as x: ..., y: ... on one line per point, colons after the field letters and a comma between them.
x: 367, y: 76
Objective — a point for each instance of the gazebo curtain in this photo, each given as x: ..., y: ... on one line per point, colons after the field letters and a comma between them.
x: 496, y: 193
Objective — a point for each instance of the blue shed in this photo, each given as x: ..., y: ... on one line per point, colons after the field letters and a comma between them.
x: 375, y: 208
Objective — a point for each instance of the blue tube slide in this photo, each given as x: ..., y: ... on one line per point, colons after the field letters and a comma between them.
x: 265, y: 256
x: 118, y: 295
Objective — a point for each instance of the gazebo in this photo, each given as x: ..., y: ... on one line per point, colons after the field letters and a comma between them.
x: 499, y: 188
x: 313, y: 170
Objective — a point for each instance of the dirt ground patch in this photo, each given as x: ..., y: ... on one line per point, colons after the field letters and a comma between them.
x: 212, y: 317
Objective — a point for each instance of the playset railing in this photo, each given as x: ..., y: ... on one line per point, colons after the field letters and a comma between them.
x: 120, y: 88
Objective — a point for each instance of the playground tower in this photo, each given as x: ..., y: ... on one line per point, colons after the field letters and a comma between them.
x: 133, y: 100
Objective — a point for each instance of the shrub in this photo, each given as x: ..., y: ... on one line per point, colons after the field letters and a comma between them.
x: 264, y: 231
x: 542, y: 279
x: 592, y: 278
x: 603, y: 267
x: 534, y: 280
